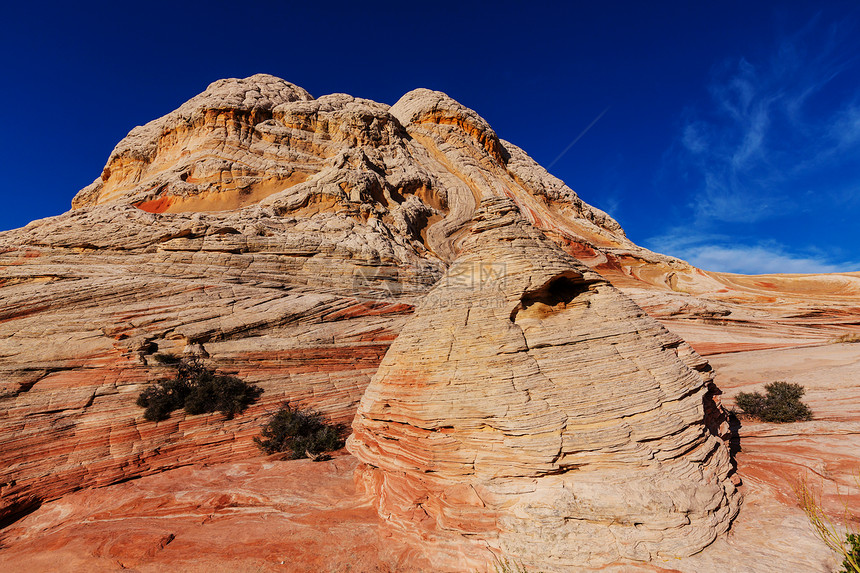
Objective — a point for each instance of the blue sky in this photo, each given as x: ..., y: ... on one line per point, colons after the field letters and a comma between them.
x: 727, y: 134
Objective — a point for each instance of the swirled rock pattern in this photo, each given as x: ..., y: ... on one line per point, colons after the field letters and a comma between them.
x: 289, y: 238
x: 82, y: 325
x: 530, y: 401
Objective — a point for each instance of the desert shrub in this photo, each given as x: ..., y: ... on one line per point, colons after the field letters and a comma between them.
x: 197, y: 390
x: 163, y: 358
x: 302, y: 433
x: 780, y: 403
x: 217, y: 393
x: 851, y: 563
x: 162, y: 398
x: 843, y: 540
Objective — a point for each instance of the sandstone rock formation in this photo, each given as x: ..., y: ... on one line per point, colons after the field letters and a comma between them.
x: 289, y: 239
x: 260, y: 511
x: 286, y: 237
x: 531, y: 404
x: 255, y: 515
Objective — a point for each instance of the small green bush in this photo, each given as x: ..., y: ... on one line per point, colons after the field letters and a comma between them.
x: 780, y: 404
x: 163, y: 358
x: 851, y: 563
x: 197, y: 390
x: 303, y: 433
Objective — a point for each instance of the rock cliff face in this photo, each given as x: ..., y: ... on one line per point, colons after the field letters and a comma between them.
x: 530, y: 404
x: 289, y: 239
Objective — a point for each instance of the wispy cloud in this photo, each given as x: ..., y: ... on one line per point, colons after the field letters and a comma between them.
x: 845, y: 129
x: 773, y: 149
x: 764, y: 128
x: 611, y: 204
x: 721, y: 254
x: 756, y: 260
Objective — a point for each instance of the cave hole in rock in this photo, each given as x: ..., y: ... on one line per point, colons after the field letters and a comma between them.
x: 554, y: 296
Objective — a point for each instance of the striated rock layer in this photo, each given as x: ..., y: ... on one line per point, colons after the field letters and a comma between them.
x: 289, y: 239
x: 250, y: 514
x: 530, y: 404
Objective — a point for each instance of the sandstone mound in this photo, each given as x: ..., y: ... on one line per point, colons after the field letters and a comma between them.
x: 531, y: 405
x: 289, y: 239
x: 286, y: 237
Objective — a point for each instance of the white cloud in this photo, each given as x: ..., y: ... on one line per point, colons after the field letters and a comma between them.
x: 845, y: 128
x: 752, y: 146
x: 693, y: 139
x: 719, y: 253
x: 757, y: 260
x: 609, y: 204
x: 764, y: 129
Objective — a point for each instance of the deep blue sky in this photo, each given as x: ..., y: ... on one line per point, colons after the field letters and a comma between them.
x: 731, y: 137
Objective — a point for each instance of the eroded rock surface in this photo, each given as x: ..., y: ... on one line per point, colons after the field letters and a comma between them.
x: 257, y: 515
x: 531, y: 404
x: 286, y: 237
x: 289, y: 239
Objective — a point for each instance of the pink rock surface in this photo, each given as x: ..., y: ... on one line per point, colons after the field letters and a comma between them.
x: 258, y: 515
x: 251, y: 515
x: 290, y: 239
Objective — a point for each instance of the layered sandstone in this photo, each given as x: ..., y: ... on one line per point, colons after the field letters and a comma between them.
x: 81, y: 327
x: 254, y: 515
x: 530, y: 404
x: 289, y: 239
x: 250, y: 514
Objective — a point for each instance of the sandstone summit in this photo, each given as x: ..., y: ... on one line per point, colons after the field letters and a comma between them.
x: 403, y: 269
x: 543, y: 411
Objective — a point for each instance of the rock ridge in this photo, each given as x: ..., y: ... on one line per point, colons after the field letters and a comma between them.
x: 531, y: 405
x: 292, y: 238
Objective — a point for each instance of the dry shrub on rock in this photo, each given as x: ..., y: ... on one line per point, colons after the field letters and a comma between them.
x: 197, y: 390
x: 302, y: 433
x: 780, y: 403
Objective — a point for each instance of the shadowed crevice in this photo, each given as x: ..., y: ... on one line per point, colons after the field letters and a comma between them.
x: 18, y: 511
x: 553, y: 296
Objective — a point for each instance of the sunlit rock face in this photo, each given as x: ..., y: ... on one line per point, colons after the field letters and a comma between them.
x: 288, y: 238
x: 531, y: 405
